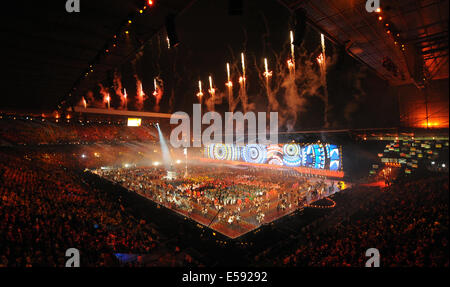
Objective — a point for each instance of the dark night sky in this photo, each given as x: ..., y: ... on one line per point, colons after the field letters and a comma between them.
x: 209, y: 38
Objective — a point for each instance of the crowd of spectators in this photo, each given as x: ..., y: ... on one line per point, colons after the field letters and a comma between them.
x: 42, y: 132
x: 45, y: 208
x: 407, y: 222
x: 48, y: 206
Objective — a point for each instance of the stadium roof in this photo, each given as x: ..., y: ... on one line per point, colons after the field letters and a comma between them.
x: 420, y: 25
x: 47, y: 50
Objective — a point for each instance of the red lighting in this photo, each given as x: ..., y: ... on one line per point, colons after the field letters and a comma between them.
x: 150, y: 2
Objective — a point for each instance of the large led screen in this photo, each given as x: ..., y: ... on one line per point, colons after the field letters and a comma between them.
x: 318, y: 156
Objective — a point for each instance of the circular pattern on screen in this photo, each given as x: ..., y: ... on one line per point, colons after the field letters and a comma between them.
x: 275, y: 155
x: 220, y: 152
x: 223, y: 152
x: 254, y: 153
x: 292, y: 155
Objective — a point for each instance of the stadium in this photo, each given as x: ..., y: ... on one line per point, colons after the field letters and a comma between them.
x: 91, y: 161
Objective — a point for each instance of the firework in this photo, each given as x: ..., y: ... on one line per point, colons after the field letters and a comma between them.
x: 229, y: 85
x: 125, y: 97
x: 200, y: 93
x: 141, y: 97
x: 267, y: 73
x: 292, y: 46
x: 243, y: 67
x: 322, y: 41
x: 84, y: 103
x: 322, y: 60
x: 291, y: 61
x: 108, y: 100
x: 211, y: 90
x: 155, y: 91
x: 141, y: 91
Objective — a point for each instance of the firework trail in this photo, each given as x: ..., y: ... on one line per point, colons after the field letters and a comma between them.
x: 271, y: 97
x: 117, y: 84
x: 82, y: 103
x: 322, y: 61
x: 200, y: 92
x: 125, y: 96
x: 140, y: 95
x: 232, y: 102
x: 158, y: 92
x: 292, y: 86
x: 105, y: 95
x: 291, y: 61
x: 243, y: 86
x: 211, y: 101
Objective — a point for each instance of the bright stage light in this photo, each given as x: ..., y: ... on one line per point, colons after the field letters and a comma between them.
x: 156, y: 163
x: 126, y: 165
x: 83, y: 156
x: 134, y: 122
x: 178, y: 161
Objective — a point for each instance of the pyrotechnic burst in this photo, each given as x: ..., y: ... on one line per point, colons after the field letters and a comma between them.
x: 105, y: 95
x: 157, y: 92
x: 140, y: 95
x: 323, y: 69
x: 267, y: 73
x: 243, y: 86
x: 84, y: 102
x: 212, y: 91
x: 117, y: 84
x: 229, y: 84
x: 243, y: 66
x: 200, y: 93
x: 231, y: 101
x: 125, y: 96
x: 291, y: 61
